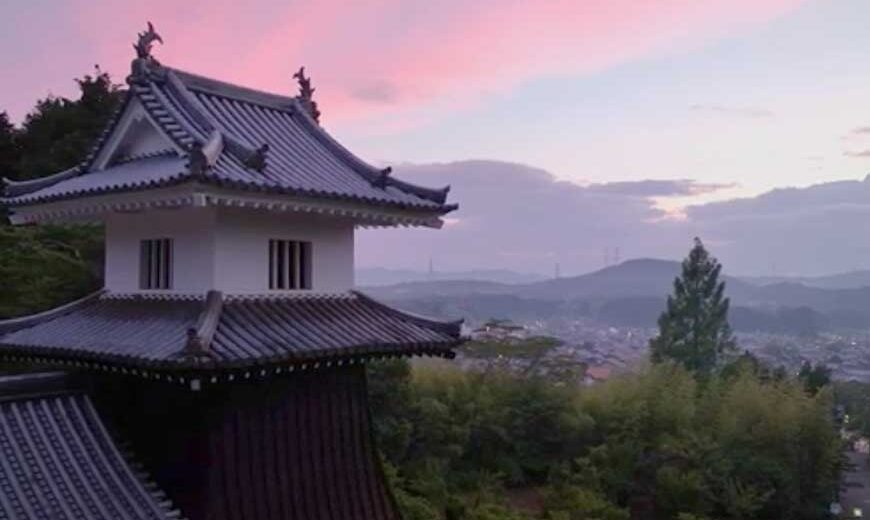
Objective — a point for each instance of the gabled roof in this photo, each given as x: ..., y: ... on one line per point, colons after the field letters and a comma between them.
x: 231, y: 137
x: 58, y: 461
x: 217, y: 333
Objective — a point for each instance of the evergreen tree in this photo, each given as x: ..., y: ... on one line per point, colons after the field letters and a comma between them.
x: 694, y: 329
x: 45, y: 266
x: 59, y: 132
x: 10, y: 152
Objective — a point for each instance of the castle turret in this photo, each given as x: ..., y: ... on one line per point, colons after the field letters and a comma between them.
x: 228, y: 344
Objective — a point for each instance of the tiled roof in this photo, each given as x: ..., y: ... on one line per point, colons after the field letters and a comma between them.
x: 58, y: 462
x: 302, y: 159
x: 166, y: 333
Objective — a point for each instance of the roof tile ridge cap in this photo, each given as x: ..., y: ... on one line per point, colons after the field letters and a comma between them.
x: 39, y: 385
x: 189, y: 102
x: 178, y: 118
x: 238, y: 147
x: 23, y: 322
x: 452, y: 328
x: 111, y: 124
x: 297, y: 295
x: 438, y: 195
x: 152, y: 296
x: 11, y: 188
x: 199, y: 337
x: 217, y: 87
x: 370, y: 173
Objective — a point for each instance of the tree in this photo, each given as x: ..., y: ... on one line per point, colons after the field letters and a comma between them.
x: 10, y: 152
x: 59, y: 132
x: 694, y: 329
x: 45, y: 266
x: 815, y: 377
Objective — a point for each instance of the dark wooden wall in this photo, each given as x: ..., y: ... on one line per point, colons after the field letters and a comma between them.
x: 295, y: 447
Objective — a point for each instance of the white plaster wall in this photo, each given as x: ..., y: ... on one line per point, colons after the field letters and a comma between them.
x: 226, y: 249
x: 192, y: 231
x: 242, y: 247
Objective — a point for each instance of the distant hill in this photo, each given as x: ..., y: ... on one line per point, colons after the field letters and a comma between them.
x: 379, y: 276
x: 633, y: 293
x: 642, y: 277
x: 849, y: 280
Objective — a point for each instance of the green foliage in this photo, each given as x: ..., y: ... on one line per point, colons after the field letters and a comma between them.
x: 59, y: 132
x: 10, y: 152
x: 854, y: 397
x: 694, y: 330
x: 43, y: 267
x: 656, y: 445
x: 46, y: 266
x: 814, y: 377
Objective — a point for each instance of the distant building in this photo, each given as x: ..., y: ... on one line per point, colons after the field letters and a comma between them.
x: 226, y: 351
x: 500, y: 330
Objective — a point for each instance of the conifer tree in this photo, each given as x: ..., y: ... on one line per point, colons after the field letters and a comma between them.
x: 694, y: 329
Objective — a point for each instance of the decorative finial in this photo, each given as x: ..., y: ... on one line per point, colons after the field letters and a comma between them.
x: 257, y: 160
x: 306, y: 94
x: 146, y: 41
x: 144, y: 64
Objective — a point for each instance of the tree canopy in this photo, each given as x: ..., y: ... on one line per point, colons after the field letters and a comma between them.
x: 694, y: 329
x: 45, y: 266
x: 655, y: 445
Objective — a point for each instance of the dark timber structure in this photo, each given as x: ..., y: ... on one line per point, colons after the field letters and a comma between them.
x: 209, y: 394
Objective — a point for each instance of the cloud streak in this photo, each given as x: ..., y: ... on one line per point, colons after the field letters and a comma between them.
x: 660, y: 188
x: 390, y: 56
x: 745, y: 112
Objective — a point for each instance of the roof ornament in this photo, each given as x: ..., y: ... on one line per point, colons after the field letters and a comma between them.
x: 257, y: 160
x: 204, y: 155
x: 383, y: 177
x: 306, y: 94
x: 139, y: 67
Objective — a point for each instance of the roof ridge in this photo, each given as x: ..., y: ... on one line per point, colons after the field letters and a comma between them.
x: 379, y: 177
x: 226, y: 89
x: 13, y: 188
x: 200, y: 335
x: 452, y: 328
x: 36, y: 384
x: 237, y: 146
x: 23, y: 322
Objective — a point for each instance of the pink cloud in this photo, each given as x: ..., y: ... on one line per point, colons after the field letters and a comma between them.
x: 387, y: 59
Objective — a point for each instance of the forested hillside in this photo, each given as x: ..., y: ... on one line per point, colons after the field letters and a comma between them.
x: 42, y: 267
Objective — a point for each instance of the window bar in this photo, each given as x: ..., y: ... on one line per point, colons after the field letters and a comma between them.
x: 155, y: 264
x: 167, y: 264
x: 271, y: 263
x: 282, y: 245
x: 305, y: 265
x: 293, y: 266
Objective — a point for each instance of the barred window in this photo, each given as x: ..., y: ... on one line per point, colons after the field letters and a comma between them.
x: 289, y: 264
x: 155, y: 263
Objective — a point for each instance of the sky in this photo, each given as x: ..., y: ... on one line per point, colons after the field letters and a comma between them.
x: 712, y: 100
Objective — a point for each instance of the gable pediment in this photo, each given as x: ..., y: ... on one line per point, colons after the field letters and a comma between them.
x: 135, y: 135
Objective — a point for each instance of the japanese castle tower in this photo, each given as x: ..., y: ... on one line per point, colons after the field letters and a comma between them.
x: 220, y: 373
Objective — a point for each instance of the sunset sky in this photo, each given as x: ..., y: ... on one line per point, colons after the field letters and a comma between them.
x: 746, y: 93
x: 739, y: 96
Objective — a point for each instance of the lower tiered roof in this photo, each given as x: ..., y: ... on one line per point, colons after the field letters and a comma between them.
x: 171, y: 334
x: 57, y: 460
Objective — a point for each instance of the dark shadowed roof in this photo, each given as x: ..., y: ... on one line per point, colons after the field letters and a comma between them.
x: 193, y: 111
x: 216, y: 332
x: 58, y: 462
